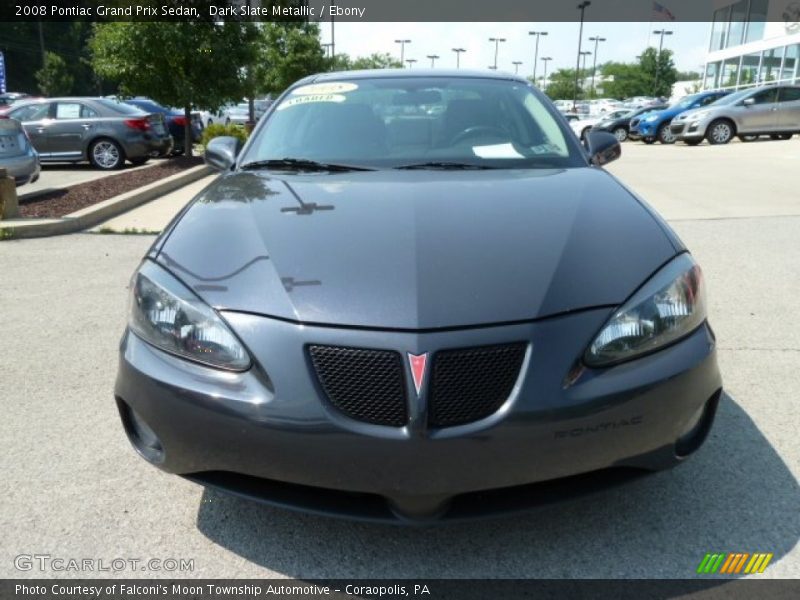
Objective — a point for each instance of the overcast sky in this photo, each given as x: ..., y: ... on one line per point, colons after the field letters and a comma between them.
x: 625, y: 40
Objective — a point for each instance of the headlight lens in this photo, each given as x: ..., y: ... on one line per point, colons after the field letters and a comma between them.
x: 168, y: 315
x: 651, y: 118
x: 670, y: 305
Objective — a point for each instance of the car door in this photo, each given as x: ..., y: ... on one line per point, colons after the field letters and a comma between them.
x: 789, y: 109
x: 35, y: 118
x: 761, y: 115
x: 73, y: 123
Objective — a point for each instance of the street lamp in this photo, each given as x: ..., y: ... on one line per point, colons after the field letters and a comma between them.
x: 496, y: 47
x: 402, y: 48
x: 662, y: 33
x: 536, y: 52
x: 581, y: 7
x: 545, y: 60
x: 411, y: 62
x: 516, y: 64
x: 433, y: 58
x: 458, y: 52
x: 584, y: 54
x: 596, y: 41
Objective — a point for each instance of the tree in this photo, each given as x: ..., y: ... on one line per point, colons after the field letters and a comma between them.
x: 660, y: 71
x: 188, y: 64
x: 53, y: 78
x: 562, y: 84
x: 374, y: 61
x: 625, y: 80
x: 291, y: 51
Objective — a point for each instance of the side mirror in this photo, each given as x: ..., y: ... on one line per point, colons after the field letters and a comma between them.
x: 602, y: 146
x: 221, y: 152
x: 748, y: 101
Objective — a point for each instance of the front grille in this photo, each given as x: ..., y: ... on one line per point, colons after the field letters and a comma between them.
x: 472, y: 383
x: 366, y: 385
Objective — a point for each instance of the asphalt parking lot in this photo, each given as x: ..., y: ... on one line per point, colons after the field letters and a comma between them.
x: 75, y: 489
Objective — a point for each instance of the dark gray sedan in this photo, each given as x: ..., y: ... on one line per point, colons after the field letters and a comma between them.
x: 104, y: 132
x: 414, y: 296
x: 17, y: 155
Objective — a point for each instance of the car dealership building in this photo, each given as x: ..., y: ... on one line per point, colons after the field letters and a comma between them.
x: 753, y: 42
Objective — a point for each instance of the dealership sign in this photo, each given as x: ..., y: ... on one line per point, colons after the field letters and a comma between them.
x: 2, y: 74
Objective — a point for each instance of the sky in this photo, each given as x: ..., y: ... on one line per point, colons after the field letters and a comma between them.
x: 689, y: 41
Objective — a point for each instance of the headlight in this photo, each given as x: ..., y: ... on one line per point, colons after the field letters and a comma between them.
x: 650, y: 118
x: 698, y: 115
x: 669, y: 306
x: 168, y: 315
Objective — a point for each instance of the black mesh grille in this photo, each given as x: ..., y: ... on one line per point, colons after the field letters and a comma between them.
x: 366, y: 385
x: 472, y: 383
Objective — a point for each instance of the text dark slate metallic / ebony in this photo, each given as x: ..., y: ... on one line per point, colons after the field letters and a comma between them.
x: 416, y: 296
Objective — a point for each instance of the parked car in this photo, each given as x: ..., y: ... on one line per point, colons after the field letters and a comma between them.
x: 174, y: 119
x: 415, y: 316
x: 17, y: 154
x: 581, y: 126
x: 8, y: 100
x: 105, y: 132
x: 654, y: 125
x: 237, y: 114
x: 773, y: 110
x: 619, y: 125
x: 604, y: 105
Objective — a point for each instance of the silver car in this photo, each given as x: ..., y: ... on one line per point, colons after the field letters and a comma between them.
x: 773, y: 110
x: 17, y: 154
x: 105, y: 132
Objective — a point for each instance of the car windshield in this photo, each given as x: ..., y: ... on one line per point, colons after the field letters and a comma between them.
x: 395, y: 122
x: 685, y: 102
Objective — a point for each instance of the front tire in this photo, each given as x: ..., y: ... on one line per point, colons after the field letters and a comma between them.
x: 664, y: 135
x: 720, y: 132
x: 649, y: 140
x: 621, y: 134
x: 106, y: 154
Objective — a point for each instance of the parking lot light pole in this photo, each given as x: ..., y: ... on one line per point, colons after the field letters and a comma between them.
x: 402, y: 49
x: 458, y: 52
x: 411, y: 62
x: 596, y: 41
x: 584, y: 54
x: 496, y: 48
x: 661, y: 33
x: 536, y: 51
x: 581, y: 7
x: 545, y: 60
x: 433, y: 58
x: 516, y: 64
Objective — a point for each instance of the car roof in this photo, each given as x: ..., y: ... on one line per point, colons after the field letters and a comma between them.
x: 413, y: 73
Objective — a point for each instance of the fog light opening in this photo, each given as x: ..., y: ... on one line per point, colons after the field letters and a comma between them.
x: 698, y: 427
x: 141, y: 435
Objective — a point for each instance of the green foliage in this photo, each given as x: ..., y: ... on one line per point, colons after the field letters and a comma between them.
x: 659, y: 70
x: 218, y: 129
x: 562, y: 84
x: 53, y: 78
x: 180, y: 63
x: 377, y: 60
x: 288, y: 52
x: 625, y: 80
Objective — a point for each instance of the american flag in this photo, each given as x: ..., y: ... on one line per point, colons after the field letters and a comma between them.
x: 662, y: 13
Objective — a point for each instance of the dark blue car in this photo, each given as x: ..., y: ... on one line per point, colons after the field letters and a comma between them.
x: 175, y: 120
x: 654, y: 125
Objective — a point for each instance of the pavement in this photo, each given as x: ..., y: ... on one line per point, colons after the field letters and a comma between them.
x: 74, y: 488
x: 56, y: 176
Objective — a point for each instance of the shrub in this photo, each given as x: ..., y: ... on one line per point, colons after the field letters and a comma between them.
x: 218, y: 129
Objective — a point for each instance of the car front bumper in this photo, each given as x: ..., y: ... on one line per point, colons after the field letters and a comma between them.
x: 269, y: 434
x: 686, y: 129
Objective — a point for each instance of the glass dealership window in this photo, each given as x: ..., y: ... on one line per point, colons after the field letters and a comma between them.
x: 720, y: 28
x: 712, y: 75
x: 790, y: 63
x: 757, y: 19
x: 738, y: 18
x: 730, y: 72
x: 771, y: 65
x: 748, y: 74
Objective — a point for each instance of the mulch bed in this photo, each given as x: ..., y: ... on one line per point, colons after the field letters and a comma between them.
x: 62, y: 202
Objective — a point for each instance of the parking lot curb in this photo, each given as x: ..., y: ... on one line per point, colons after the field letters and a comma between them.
x: 97, y: 213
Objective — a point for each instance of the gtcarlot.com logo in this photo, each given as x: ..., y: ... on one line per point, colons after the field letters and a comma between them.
x: 48, y: 562
x: 734, y: 563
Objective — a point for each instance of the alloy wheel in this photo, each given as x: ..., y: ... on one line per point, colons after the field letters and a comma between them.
x: 721, y: 133
x: 106, y: 155
x: 621, y: 134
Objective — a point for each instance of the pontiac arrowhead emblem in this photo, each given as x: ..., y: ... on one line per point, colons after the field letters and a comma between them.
x: 417, y: 363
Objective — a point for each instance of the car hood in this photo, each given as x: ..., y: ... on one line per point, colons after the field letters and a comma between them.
x: 415, y: 249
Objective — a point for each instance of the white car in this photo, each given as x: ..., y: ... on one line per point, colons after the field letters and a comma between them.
x: 603, y: 105
x: 581, y: 126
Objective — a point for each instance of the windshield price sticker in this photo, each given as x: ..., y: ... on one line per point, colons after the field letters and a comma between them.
x: 337, y: 87
x: 308, y: 99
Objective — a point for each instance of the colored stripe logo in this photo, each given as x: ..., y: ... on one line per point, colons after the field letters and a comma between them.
x: 734, y: 563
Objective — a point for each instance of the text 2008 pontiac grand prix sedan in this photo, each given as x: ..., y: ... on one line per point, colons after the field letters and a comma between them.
x: 415, y: 296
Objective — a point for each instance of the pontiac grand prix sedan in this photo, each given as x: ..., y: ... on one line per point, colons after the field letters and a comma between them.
x: 415, y: 296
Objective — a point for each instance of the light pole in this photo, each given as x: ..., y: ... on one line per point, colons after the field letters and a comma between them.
x: 581, y: 7
x: 402, y: 49
x: 433, y: 58
x: 458, y: 52
x: 545, y: 60
x: 411, y: 62
x: 584, y: 54
x: 662, y: 33
x: 596, y: 41
x: 496, y: 48
x: 536, y: 52
x: 516, y: 64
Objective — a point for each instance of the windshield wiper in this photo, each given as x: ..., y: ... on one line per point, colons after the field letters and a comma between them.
x: 444, y: 165
x: 301, y: 164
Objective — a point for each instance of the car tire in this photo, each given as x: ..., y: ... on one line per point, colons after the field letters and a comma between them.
x: 649, y: 140
x: 664, y: 135
x: 748, y: 138
x: 137, y: 162
x: 621, y: 134
x: 106, y: 154
x: 719, y: 132
x: 693, y: 141
x: 781, y: 136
